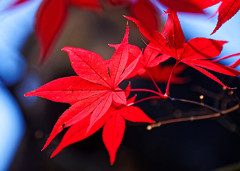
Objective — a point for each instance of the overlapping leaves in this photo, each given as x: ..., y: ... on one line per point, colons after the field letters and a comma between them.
x: 91, y: 95
x: 196, y: 53
x: 149, y: 64
x: 113, y: 123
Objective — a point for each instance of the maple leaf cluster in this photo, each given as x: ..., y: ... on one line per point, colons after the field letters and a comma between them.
x: 196, y: 53
x: 95, y: 96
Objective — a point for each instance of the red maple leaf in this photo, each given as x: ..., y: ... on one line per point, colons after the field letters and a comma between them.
x: 93, y: 90
x: 149, y: 59
x: 226, y: 11
x: 196, y: 52
x: 149, y: 66
x: 113, y: 123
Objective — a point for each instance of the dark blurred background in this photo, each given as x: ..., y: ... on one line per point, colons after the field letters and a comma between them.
x: 212, y: 144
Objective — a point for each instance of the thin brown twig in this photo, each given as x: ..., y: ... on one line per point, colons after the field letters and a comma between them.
x: 193, y: 118
x: 196, y: 103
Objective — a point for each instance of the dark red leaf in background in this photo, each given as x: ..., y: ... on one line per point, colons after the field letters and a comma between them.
x: 206, y: 3
x: 194, y: 6
x: 146, y: 12
x: 87, y: 4
x: 161, y: 74
x: 50, y: 18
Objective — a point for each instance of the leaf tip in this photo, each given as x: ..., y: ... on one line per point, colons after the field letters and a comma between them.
x: 56, y: 151
x: 224, y: 42
x: 43, y: 148
x: 53, y: 155
x: 216, y: 28
x: 45, y: 145
x: 112, y: 160
x: 129, y: 18
x: 151, y: 121
x: 28, y: 94
x: 66, y: 49
x: 111, y: 163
